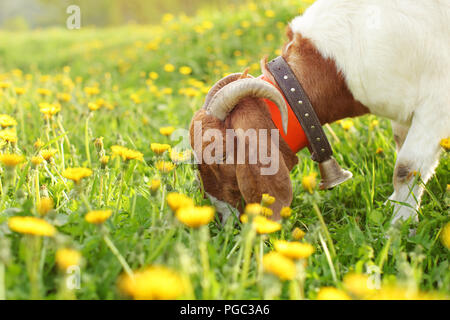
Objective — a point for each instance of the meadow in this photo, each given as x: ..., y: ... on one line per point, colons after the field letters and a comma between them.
x: 99, y: 198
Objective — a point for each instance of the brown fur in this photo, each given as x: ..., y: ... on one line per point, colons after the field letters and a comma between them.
x: 331, y: 99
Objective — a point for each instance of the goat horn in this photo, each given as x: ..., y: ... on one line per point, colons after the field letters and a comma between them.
x: 224, y: 101
x: 222, y: 83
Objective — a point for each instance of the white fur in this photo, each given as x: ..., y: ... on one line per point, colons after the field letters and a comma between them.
x: 395, y: 57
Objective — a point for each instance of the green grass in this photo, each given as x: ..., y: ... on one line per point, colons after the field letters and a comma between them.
x: 143, y: 229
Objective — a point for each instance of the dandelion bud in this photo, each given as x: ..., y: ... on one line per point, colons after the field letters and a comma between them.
x: 38, y: 144
x: 267, y: 200
x: 155, y: 184
x: 104, y: 161
x: 98, y: 143
x: 309, y: 182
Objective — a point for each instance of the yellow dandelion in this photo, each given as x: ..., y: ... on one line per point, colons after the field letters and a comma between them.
x: 279, y: 265
x: 49, y: 109
x: 195, y: 217
x: 347, y: 124
x: 159, y: 148
x: 298, y: 234
x: 266, y: 212
x: 262, y: 224
x: 38, y: 144
x: 45, y: 205
x: 177, y: 200
x: 253, y: 209
x: 445, y: 143
x: 181, y: 156
x: 358, y: 284
x: 135, y: 98
x: 155, y: 184
x: 97, y: 216
x: 185, y: 70
x: 152, y: 283
x: 309, y: 182
x: 294, y: 250
x: 76, y: 174
x: 169, y: 68
x: 5, y: 85
x: 31, y: 225
x: 7, y: 121
x: 269, y: 13
x: 36, y: 160
x: 44, y: 92
x: 90, y: 91
x: 11, y: 160
x: 445, y: 235
x: 93, y: 106
x: 153, y: 75
x: 66, y: 258
x: 379, y: 150
x: 48, y: 154
x: 8, y: 135
x: 19, y: 91
x: 286, y: 212
x: 331, y: 293
x: 127, y: 154
x: 164, y: 166
x: 267, y: 200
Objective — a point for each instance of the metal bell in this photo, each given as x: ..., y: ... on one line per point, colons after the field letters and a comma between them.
x: 332, y: 174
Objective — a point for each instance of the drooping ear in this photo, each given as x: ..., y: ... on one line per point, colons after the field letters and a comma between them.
x: 258, y: 176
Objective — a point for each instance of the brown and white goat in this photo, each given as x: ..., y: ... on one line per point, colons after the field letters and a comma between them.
x: 387, y: 57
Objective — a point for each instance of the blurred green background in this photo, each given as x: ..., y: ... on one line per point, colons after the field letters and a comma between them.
x: 19, y: 15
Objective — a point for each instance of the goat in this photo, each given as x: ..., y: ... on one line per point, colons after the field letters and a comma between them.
x: 390, y: 58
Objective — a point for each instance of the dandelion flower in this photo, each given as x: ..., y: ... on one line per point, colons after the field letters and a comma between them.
x: 267, y: 200
x: 445, y: 143
x: 36, y: 160
x: 294, y: 250
x: 164, y: 166
x: 155, y: 184
x: 331, y: 293
x: 153, y: 75
x: 177, y: 200
x: 19, y: 91
x: 195, y: 217
x: 48, y: 154
x: 357, y: 284
x: 298, y: 234
x: 309, y: 182
x: 266, y: 212
x: 66, y: 258
x: 44, y: 92
x: 445, y: 235
x: 49, y: 109
x: 253, y: 209
x: 262, y: 224
x: 7, y: 121
x: 347, y: 124
x: 45, y: 205
x: 159, y: 148
x: 185, y: 70
x: 127, y: 154
x: 269, y: 13
x: 104, y: 161
x: 169, y: 68
x: 11, y: 160
x: 152, y: 283
x: 182, y: 156
x: 286, y: 212
x: 279, y: 265
x: 97, y: 216
x: 93, y: 106
x: 31, y: 225
x: 38, y: 144
x: 76, y: 174
x: 8, y: 135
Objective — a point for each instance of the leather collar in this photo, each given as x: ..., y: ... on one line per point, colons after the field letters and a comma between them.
x: 304, y: 127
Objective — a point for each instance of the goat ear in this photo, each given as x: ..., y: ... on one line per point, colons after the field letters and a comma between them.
x: 252, y: 183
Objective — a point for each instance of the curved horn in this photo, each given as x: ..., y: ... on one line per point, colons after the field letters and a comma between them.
x: 220, y: 84
x: 223, y: 102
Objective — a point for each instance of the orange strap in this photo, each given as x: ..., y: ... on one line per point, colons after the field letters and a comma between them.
x: 296, y: 137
